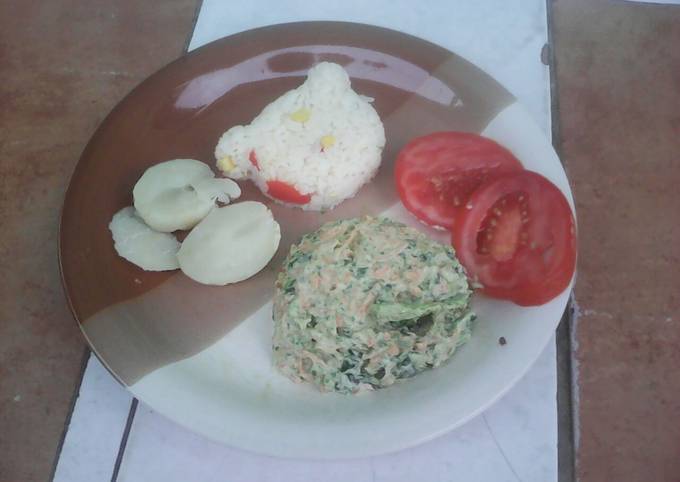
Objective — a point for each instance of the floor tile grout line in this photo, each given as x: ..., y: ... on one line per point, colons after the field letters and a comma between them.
x: 554, y: 97
x: 565, y: 416
x: 566, y: 457
x: 194, y: 22
x: 67, y: 421
x: 124, y: 439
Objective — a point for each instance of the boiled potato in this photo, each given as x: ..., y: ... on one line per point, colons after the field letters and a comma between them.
x: 231, y: 244
x: 141, y: 245
x: 177, y: 194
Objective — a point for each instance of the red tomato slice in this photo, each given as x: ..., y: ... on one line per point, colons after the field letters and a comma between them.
x: 437, y: 173
x: 253, y: 160
x: 518, y: 238
x: 287, y: 193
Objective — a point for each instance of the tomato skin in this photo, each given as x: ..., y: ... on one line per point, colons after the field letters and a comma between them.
x: 543, y: 263
x: 253, y: 160
x: 436, y: 174
x: 286, y: 192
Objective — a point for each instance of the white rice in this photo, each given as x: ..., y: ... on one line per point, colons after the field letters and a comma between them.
x: 288, y: 139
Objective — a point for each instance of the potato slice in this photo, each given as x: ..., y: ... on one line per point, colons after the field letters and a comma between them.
x: 141, y: 245
x: 177, y: 194
x: 222, y: 190
x: 231, y: 244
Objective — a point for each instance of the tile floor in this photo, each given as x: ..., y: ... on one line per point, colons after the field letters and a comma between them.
x: 66, y: 63
x: 618, y: 75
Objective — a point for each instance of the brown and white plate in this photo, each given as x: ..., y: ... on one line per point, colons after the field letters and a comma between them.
x: 201, y: 355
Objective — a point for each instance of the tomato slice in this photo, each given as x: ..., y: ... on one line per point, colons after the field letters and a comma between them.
x: 253, y: 160
x: 287, y: 193
x: 437, y: 173
x: 517, y: 238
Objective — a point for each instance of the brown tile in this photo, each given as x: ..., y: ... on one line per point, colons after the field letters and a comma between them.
x: 64, y: 64
x: 618, y: 73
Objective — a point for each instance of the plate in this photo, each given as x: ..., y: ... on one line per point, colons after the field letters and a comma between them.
x: 201, y: 355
